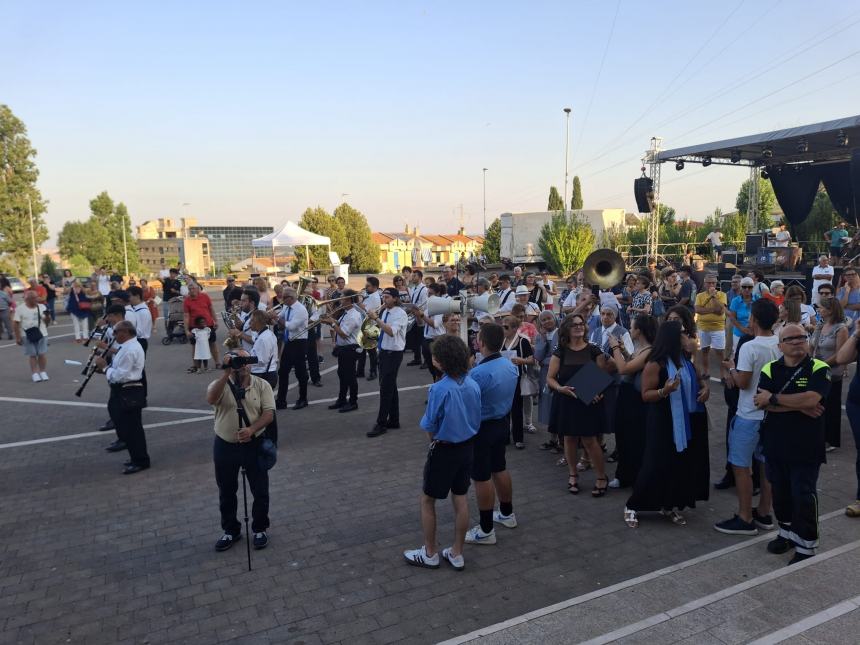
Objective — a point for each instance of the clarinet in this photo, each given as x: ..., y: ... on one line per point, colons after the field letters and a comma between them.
x: 98, y: 329
x: 91, y: 366
x: 93, y: 352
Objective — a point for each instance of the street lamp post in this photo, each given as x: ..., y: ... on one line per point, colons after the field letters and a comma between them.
x: 566, y: 146
x: 485, y: 202
x: 124, y: 247
x: 33, y: 238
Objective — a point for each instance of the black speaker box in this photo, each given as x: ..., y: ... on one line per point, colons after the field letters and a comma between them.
x: 642, y: 187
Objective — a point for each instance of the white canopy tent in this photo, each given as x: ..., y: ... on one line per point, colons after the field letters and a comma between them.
x: 291, y: 235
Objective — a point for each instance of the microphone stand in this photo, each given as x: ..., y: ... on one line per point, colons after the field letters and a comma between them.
x: 239, y: 395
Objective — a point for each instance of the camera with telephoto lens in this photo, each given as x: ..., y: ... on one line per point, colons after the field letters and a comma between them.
x: 233, y: 362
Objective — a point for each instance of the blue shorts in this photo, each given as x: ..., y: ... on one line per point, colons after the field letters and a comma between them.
x: 743, y: 441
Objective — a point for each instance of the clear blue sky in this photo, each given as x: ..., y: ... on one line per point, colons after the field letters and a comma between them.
x: 253, y: 111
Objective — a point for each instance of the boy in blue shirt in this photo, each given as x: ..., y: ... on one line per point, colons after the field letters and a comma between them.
x: 452, y: 419
x: 497, y: 377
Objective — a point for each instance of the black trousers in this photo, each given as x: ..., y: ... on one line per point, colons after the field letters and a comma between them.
x: 313, y: 357
x: 833, y: 414
x: 414, y: 341
x: 346, y: 358
x: 428, y: 358
x: 228, y: 458
x: 144, y: 342
x: 293, y: 357
x: 795, y: 502
x: 129, y: 428
x: 272, y: 379
x: 389, y: 402
x: 517, y: 415
x: 362, y: 358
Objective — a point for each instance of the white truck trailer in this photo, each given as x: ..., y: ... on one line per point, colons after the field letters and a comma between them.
x: 521, y: 231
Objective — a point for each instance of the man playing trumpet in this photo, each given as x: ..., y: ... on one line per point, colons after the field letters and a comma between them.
x: 346, y: 324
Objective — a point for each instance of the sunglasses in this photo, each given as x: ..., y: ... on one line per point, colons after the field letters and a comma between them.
x: 746, y: 287
x: 794, y: 339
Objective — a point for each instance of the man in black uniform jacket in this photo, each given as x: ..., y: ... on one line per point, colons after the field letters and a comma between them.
x: 792, y: 390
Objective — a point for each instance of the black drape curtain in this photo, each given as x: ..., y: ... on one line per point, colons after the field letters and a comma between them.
x: 795, y: 190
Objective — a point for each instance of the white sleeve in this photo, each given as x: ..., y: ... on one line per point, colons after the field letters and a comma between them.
x: 628, y: 342
x: 746, y: 360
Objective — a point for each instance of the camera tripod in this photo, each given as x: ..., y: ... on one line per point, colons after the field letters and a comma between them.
x: 244, y: 422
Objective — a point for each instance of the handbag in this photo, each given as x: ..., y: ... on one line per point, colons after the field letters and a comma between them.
x: 529, y: 379
x: 34, y: 335
x: 85, y: 305
x: 267, y: 453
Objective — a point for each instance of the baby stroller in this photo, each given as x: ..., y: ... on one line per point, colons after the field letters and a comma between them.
x: 175, y: 323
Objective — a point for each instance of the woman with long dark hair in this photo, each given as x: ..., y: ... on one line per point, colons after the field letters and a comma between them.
x: 630, y: 412
x: 670, y: 388
x: 576, y: 420
x: 830, y: 335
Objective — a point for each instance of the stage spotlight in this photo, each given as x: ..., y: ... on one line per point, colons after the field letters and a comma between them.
x: 736, y: 156
x: 767, y: 152
x: 765, y: 174
x: 842, y: 139
x: 679, y: 165
x: 706, y: 161
x: 802, y: 146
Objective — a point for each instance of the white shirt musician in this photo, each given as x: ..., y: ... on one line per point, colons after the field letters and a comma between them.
x: 507, y: 299
x: 392, y: 341
x: 294, y: 319
x: 348, y: 326
x: 141, y: 318
x: 128, y: 362
x: 373, y: 301
x: 265, y: 348
x: 392, y: 325
x: 418, y: 295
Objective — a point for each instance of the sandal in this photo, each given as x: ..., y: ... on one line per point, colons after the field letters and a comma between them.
x: 191, y: 370
x: 853, y: 510
x: 561, y: 462
x: 630, y: 518
x: 600, y: 491
x: 583, y: 465
x: 675, y: 516
x: 572, y: 486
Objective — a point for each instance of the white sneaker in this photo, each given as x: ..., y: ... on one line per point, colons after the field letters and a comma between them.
x: 44, y: 376
x: 455, y: 561
x: 476, y: 536
x: 419, y: 558
x: 505, y: 520
x: 530, y: 429
x: 615, y: 483
x: 36, y: 377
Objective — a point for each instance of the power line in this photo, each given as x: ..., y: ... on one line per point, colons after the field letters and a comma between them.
x: 596, y: 81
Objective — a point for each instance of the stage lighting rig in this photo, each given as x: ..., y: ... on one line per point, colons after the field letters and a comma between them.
x: 706, y: 161
x: 842, y: 139
x: 679, y: 166
x: 802, y: 146
x: 736, y: 156
x: 767, y: 152
x: 765, y: 173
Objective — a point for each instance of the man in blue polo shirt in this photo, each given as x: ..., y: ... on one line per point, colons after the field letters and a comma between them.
x: 497, y: 378
x: 452, y: 418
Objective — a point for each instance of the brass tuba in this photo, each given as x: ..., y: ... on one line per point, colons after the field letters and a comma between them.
x: 603, y: 268
x: 232, y: 321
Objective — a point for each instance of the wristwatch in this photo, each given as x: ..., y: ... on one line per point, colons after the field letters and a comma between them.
x: 773, y: 400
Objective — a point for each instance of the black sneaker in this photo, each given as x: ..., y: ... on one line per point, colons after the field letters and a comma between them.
x: 736, y: 526
x: 336, y: 405
x: 226, y: 541
x: 764, y: 522
x: 413, y: 363
x: 725, y: 483
x: 261, y: 540
x: 280, y: 405
x: 377, y: 431
x: 800, y: 557
x: 779, y: 545
x: 349, y: 407
x: 116, y: 446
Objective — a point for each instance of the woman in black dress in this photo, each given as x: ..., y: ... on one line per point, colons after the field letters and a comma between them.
x: 668, y: 479
x: 630, y: 413
x: 573, y: 419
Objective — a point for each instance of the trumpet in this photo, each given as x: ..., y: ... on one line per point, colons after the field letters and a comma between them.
x: 90, y: 369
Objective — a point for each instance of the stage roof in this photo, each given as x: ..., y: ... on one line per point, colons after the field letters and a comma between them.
x: 827, y: 141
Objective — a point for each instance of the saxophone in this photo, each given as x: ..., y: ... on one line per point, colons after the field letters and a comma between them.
x: 232, y: 320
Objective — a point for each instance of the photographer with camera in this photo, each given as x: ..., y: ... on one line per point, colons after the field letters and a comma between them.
x: 244, y: 405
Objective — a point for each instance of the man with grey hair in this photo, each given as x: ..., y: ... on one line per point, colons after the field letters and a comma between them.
x: 601, y: 337
x: 127, y: 394
x: 822, y: 273
x: 30, y: 325
x: 293, y: 319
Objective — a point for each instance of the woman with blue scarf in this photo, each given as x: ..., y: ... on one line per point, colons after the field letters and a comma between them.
x: 667, y: 481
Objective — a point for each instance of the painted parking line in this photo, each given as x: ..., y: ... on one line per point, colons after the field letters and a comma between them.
x: 620, y: 586
x: 814, y: 620
x: 84, y: 404
x: 33, y: 442
x: 50, y: 338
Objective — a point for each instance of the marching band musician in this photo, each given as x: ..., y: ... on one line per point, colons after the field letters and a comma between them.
x: 248, y: 303
x: 113, y: 315
x: 127, y: 397
x: 417, y: 299
x: 506, y: 294
x: 392, y: 341
x: 372, y: 302
x: 346, y: 328
x: 433, y: 327
x: 294, y: 320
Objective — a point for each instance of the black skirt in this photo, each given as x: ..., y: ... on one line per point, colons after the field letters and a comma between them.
x: 669, y: 479
x: 571, y: 417
x: 629, y: 433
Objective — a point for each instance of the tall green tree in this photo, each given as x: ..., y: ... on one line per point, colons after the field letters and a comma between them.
x: 667, y: 215
x: 363, y: 255
x: 555, y: 202
x: 821, y: 218
x: 565, y: 241
x: 766, y: 201
x: 613, y: 236
x: 48, y: 266
x: 113, y: 219
x: 576, y: 198
x: 18, y: 176
x: 89, y: 239
x: 317, y: 220
x: 492, y: 247
x: 79, y: 264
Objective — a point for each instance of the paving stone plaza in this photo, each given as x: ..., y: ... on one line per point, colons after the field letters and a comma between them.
x: 91, y: 556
